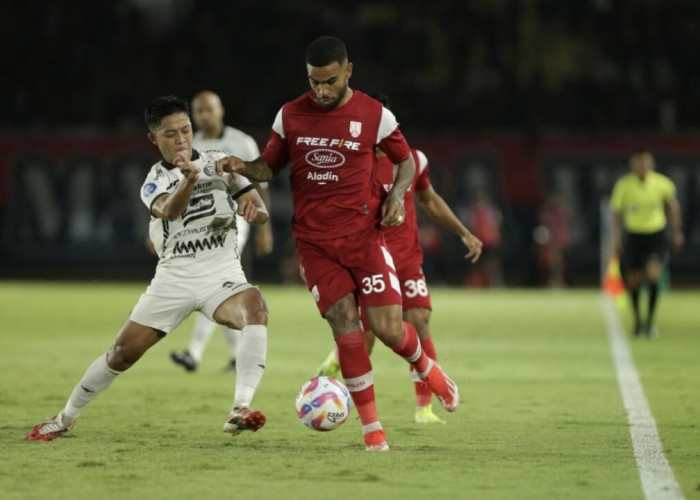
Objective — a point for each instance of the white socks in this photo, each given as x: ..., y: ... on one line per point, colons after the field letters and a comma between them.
x: 201, y: 334
x: 97, y: 378
x: 250, y: 364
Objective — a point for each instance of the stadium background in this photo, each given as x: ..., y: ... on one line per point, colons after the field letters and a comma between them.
x: 512, y: 99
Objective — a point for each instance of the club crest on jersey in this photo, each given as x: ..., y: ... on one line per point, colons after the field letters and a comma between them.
x: 355, y: 128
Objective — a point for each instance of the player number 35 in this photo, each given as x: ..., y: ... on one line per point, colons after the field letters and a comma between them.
x: 415, y: 287
x: 374, y: 283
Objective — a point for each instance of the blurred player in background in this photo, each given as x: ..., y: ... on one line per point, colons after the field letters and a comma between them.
x: 213, y: 134
x: 193, y: 230
x: 328, y: 136
x: 639, y: 202
x: 403, y: 244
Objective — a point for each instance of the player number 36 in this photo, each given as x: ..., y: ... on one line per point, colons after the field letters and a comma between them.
x: 415, y: 287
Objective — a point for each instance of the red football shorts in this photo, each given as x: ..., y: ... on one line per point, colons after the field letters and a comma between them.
x: 358, y: 263
x: 414, y: 289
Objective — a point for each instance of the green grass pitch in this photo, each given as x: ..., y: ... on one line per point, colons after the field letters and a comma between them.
x: 541, y: 413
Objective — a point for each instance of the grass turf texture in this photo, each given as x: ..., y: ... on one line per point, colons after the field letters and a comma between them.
x: 541, y: 413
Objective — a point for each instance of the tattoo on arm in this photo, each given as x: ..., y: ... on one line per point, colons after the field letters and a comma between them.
x: 259, y: 170
x: 404, y: 177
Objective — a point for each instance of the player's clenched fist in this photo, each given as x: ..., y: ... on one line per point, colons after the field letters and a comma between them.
x: 188, y: 169
x: 393, y: 212
x: 230, y: 164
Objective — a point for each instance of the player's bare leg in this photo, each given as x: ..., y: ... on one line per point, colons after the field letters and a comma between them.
x: 653, y: 274
x: 356, y: 367
x: 246, y: 311
x: 419, y: 317
x: 386, y: 323
x: 633, y: 280
x: 132, y: 342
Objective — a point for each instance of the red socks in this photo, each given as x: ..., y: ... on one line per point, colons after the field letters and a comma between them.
x: 423, y: 392
x: 409, y: 348
x: 357, y: 372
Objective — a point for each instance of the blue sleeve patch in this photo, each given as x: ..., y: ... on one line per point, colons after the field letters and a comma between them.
x: 149, y: 188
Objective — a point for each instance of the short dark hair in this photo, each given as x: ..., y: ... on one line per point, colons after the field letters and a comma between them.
x: 383, y: 98
x: 163, y: 106
x: 326, y: 50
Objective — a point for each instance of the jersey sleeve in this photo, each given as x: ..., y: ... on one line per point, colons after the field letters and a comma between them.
x: 423, y: 180
x: 390, y: 139
x: 669, y: 189
x: 276, y: 153
x: 617, y: 199
x: 238, y: 185
x: 155, y: 185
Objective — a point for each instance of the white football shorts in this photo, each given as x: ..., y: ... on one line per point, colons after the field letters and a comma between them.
x: 171, y: 298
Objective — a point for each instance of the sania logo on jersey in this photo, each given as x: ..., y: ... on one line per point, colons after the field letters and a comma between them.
x: 355, y: 129
x: 194, y: 246
x: 325, y: 158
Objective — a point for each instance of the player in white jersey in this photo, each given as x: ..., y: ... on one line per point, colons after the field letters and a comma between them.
x: 193, y: 230
x: 213, y: 134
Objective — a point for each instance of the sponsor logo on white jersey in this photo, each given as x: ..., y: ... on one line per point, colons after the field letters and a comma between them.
x: 325, y: 158
x: 198, y: 245
x: 355, y: 129
x: 199, y: 207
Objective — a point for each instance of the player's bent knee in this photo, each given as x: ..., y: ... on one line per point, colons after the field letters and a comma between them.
x: 132, y: 342
x: 257, y: 316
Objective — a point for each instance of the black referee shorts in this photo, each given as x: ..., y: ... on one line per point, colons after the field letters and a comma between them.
x: 640, y: 248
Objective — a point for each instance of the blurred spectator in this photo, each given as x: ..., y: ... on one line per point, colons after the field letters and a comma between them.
x: 485, y: 220
x: 553, y: 236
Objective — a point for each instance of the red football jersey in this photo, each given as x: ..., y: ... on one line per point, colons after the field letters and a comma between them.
x: 332, y: 162
x: 403, y: 240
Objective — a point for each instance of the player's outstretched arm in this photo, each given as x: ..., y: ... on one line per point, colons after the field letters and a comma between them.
x: 256, y: 170
x: 252, y: 208
x: 171, y: 206
x: 436, y: 207
x: 393, y: 211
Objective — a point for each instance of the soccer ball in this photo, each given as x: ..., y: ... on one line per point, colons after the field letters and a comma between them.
x: 323, y: 404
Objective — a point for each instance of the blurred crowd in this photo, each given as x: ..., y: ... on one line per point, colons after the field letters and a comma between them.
x: 533, y: 65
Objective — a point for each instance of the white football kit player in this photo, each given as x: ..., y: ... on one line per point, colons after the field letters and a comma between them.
x: 199, y: 266
x: 237, y: 143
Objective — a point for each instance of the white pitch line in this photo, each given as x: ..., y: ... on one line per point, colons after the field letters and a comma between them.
x: 658, y: 481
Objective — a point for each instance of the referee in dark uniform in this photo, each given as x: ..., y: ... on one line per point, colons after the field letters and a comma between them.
x: 639, y: 203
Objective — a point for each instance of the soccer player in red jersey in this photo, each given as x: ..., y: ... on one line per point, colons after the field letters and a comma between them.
x: 328, y: 136
x: 403, y: 244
